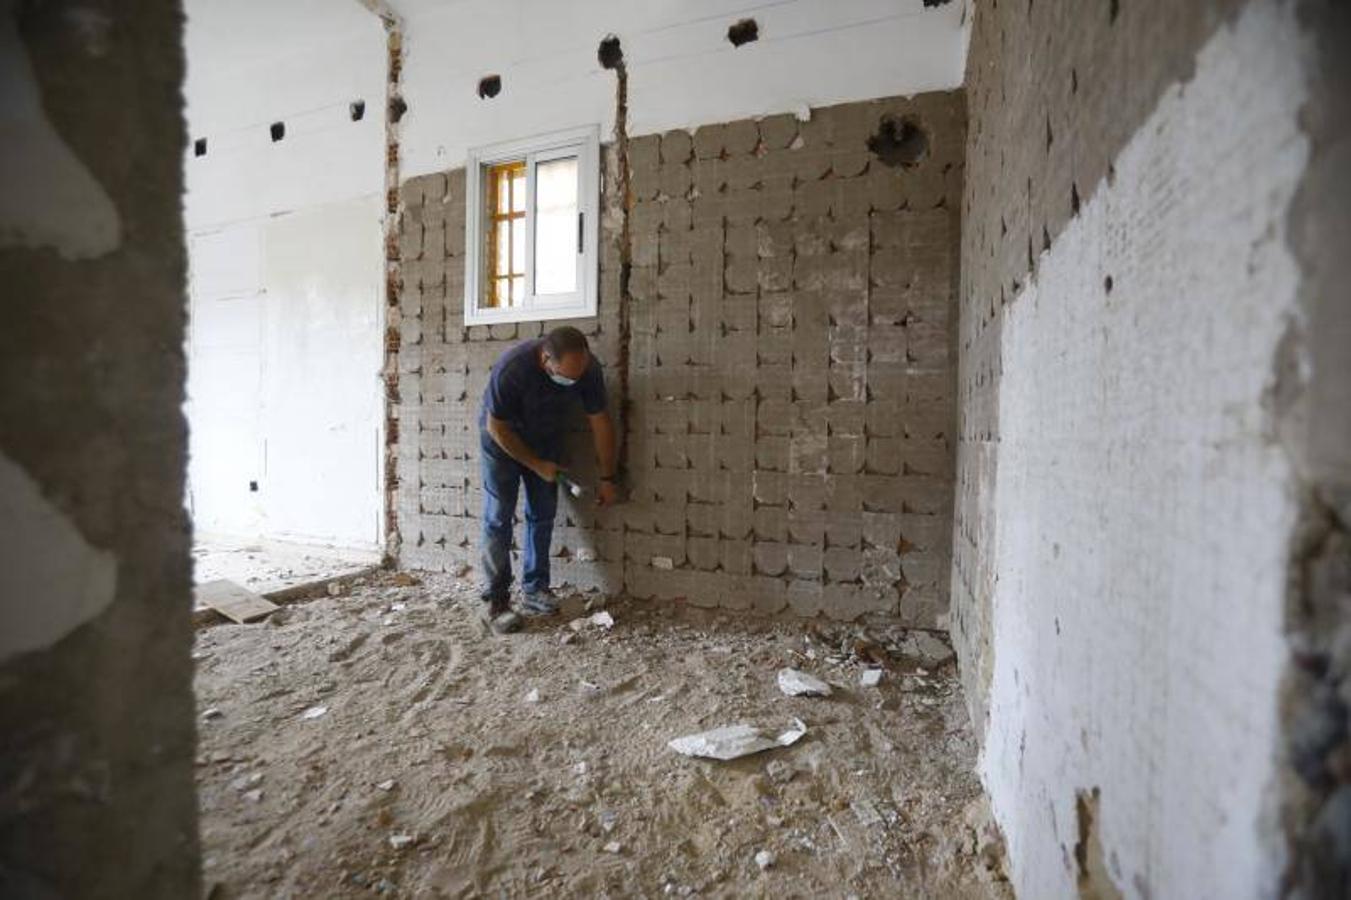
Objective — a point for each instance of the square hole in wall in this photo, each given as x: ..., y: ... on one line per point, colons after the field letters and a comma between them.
x: 357, y: 110
x: 199, y: 147
x: 278, y: 131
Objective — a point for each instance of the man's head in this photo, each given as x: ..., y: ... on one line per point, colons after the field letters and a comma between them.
x: 565, y: 355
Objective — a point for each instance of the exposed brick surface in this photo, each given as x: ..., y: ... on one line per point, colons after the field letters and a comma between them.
x: 791, y: 371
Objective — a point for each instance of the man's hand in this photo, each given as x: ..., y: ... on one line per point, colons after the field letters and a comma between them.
x: 607, y: 494
x: 547, y: 470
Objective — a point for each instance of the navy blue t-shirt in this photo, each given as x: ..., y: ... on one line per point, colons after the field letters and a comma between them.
x: 522, y: 394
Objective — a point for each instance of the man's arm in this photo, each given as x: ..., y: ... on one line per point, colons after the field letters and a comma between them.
x: 517, y: 449
x: 603, y: 435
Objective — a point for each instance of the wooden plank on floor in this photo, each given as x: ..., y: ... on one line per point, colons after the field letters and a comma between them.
x: 233, y: 601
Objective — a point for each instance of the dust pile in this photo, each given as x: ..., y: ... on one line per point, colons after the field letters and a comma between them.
x: 384, y: 743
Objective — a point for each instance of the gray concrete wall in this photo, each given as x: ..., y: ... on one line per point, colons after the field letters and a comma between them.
x: 96, y: 709
x: 1150, y: 517
x: 790, y: 369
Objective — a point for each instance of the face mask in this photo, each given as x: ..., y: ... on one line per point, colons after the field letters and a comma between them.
x: 562, y: 379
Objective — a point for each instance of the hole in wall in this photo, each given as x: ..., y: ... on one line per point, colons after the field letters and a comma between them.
x: 489, y: 86
x: 933, y: 4
x: 253, y: 487
x: 1107, y: 284
x: 746, y: 31
x: 1092, y: 877
x: 899, y: 142
x: 1113, y: 10
x: 278, y: 131
x: 397, y: 107
x: 1074, y: 199
x: 609, y: 54
x: 199, y: 147
x: 357, y: 110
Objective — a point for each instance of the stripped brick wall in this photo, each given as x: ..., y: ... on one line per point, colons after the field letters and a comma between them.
x: 791, y: 369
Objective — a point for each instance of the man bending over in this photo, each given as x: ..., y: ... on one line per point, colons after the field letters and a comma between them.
x: 521, y: 428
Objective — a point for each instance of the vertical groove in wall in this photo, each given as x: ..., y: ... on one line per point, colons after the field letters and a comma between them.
x: 393, y: 287
x: 625, y: 255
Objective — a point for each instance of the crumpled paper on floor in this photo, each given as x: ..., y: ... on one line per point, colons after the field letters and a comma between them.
x: 733, y: 741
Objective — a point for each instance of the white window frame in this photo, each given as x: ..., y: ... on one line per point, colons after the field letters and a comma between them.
x: 584, y: 143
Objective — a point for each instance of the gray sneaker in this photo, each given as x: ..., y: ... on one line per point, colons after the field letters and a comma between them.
x: 498, y: 616
x: 539, y: 603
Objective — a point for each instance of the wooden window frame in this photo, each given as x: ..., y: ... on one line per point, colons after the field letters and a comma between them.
x: 584, y: 144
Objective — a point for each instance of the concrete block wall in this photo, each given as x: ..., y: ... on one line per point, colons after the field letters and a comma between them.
x: 790, y: 380
x: 443, y: 369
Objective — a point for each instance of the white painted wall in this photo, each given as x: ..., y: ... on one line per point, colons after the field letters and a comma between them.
x: 682, y: 70
x: 1143, y: 508
x: 285, y: 251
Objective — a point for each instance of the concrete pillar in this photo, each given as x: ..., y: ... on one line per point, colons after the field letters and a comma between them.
x: 96, y: 708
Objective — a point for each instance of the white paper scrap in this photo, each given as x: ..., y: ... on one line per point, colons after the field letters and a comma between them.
x: 796, y: 683
x: 733, y: 741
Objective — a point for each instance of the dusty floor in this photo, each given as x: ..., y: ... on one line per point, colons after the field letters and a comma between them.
x: 265, y: 566
x: 434, y: 770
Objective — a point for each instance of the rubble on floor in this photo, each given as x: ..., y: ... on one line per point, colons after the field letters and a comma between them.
x: 428, y: 774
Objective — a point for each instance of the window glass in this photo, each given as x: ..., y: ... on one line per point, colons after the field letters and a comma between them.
x: 556, y: 226
x: 506, y: 234
x: 531, y: 229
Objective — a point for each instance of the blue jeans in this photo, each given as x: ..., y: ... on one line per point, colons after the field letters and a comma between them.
x: 502, y: 477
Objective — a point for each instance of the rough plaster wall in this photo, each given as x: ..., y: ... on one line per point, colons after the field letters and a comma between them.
x: 1054, y: 90
x: 791, y: 381
x: 1143, y: 510
x: 96, y: 772
x: 1133, y: 460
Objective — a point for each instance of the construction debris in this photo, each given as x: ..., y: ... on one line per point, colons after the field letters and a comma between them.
x: 600, y: 619
x: 735, y: 741
x: 927, y: 647
x: 796, y: 683
x: 314, y: 712
x: 235, y: 602
x: 764, y: 859
x: 870, y: 678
